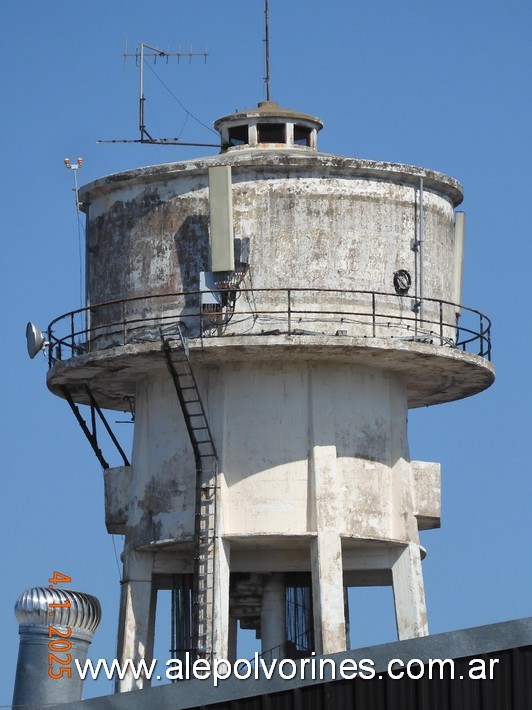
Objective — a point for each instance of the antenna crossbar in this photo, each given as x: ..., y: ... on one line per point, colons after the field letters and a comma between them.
x: 156, y: 53
x: 161, y: 141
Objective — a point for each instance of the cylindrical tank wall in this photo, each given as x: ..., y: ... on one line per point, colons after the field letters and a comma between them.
x: 279, y: 413
x: 309, y: 227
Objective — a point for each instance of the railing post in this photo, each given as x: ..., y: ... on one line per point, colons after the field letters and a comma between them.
x: 373, y: 308
x: 50, y: 348
x: 441, y: 323
x: 124, y: 321
x: 88, y: 325
x: 481, y: 353
x: 72, y: 332
x: 289, y: 309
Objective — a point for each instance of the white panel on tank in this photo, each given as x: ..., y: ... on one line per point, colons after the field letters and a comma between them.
x: 209, y: 294
x: 221, y: 217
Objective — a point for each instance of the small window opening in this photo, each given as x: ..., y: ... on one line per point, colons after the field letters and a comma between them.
x: 238, y: 135
x: 271, y: 132
x: 301, y: 135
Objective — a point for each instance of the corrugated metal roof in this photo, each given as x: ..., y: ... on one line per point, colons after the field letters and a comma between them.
x: 511, y: 687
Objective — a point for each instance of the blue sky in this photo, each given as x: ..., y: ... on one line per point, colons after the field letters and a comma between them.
x: 443, y: 85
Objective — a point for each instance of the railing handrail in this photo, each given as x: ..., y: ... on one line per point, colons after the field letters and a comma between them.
x: 481, y: 333
x: 287, y: 289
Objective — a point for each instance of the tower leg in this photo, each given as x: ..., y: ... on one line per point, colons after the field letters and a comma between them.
x: 328, y: 593
x: 409, y: 594
x: 137, y: 617
x: 326, y: 550
x: 220, y: 645
x: 272, y: 618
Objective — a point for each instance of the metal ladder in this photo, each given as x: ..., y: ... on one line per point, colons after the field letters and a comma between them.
x: 206, y: 463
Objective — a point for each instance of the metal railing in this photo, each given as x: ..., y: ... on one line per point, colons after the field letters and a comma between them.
x: 288, y: 311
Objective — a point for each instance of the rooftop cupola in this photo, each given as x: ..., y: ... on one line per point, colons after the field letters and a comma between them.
x: 268, y: 126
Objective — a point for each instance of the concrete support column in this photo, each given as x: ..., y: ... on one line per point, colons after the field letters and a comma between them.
x: 326, y: 556
x: 328, y: 593
x: 221, y: 599
x: 409, y: 594
x: 273, y: 617
x: 137, y: 617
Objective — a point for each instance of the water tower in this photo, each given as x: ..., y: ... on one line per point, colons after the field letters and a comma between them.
x: 270, y: 314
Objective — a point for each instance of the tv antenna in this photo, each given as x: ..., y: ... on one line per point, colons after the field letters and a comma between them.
x: 143, y: 52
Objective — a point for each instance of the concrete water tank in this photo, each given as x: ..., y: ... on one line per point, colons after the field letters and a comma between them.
x: 340, y: 309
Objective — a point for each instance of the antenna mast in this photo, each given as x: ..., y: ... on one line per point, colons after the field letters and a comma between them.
x: 146, y: 50
x: 267, y: 48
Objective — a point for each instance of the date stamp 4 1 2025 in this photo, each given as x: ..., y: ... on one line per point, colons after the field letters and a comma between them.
x: 59, y: 644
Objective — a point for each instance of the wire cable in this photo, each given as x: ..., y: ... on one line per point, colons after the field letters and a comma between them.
x: 116, y: 558
x: 179, y: 102
x: 80, y: 254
